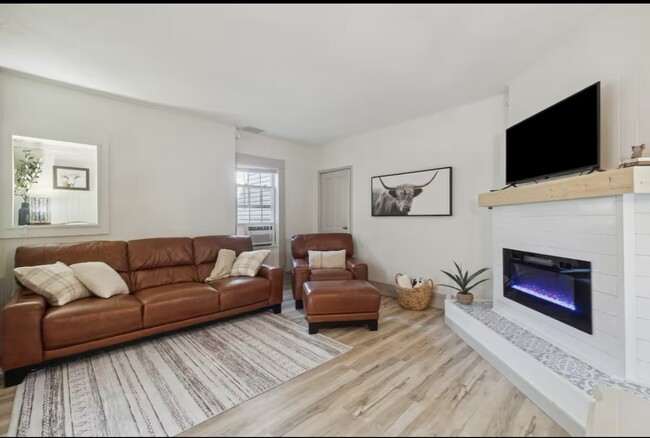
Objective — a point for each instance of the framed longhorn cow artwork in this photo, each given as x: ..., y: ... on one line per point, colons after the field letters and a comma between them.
x: 418, y: 193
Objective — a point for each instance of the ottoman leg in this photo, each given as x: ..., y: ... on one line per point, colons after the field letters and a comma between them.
x: 277, y: 308
x: 313, y: 328
x: 299, y: 304
x: 373, y: 325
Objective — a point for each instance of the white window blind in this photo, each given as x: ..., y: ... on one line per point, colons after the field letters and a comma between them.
x: 255, y: 197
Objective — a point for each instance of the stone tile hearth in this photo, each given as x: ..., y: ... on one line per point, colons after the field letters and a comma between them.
x: 576, y: 371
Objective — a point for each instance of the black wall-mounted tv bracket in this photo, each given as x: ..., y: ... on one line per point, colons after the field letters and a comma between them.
x: 593, y: 169
x: 503, y: 188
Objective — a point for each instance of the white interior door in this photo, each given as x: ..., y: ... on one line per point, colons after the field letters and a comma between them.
x: 334, y: 208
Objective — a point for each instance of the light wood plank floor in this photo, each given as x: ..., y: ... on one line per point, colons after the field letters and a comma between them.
x: 413, y: 377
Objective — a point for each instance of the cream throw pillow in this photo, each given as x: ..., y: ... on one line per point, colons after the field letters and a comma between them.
x: 327, y: 259
x: 100, y: 279
x: 223, y: 266
x: 57, y: 283
x: 249, y: 263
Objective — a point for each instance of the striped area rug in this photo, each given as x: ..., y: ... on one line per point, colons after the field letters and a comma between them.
x: 167, y: 385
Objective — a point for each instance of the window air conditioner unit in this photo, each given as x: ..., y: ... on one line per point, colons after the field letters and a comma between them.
x: 261, y: 235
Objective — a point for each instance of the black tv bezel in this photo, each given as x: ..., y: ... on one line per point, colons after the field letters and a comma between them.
x: 567, y: 171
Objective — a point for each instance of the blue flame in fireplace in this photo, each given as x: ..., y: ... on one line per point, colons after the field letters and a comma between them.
x: 553, y: 287
x: 546, y: 295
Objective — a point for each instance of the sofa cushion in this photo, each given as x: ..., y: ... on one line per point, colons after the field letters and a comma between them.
x: 242, y: 291
x: 161, y: 261
x: 206, y: 249
x: 330, y: 274
x: 90, y: 319
x: 113, y: 253
x: 177, y: 302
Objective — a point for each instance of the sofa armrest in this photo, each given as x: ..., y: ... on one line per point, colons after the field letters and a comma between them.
x: 274, y: 274
x: 359, y: 269
x: 299, y: 264
x: 20, y: 324
x: 300, y: 273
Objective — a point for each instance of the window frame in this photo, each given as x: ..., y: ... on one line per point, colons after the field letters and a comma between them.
x: 274, y: 193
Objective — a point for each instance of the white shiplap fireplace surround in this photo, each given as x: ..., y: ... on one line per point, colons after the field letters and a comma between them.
x: 603, y: 219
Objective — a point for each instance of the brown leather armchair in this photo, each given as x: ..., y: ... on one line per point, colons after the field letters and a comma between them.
x: 300, y: 271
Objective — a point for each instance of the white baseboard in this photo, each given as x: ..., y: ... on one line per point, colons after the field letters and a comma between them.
x: 566, y: 404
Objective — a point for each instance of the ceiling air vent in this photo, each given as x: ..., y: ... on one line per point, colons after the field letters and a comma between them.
x: 252, y: 129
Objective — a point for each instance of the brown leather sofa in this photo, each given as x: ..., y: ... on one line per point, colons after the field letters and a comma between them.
x: 165, y: 277
x: 300, y: 271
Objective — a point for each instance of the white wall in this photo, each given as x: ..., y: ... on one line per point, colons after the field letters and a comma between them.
x: 300, y: 181
x: 169, y: 174
x: 613, y: 49
x: 467, y: 138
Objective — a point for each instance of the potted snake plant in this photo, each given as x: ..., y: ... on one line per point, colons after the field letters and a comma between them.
x: 462, y: 282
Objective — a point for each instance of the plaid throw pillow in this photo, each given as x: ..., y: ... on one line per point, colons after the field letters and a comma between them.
x: 57, y: 283
x: 249, y: 263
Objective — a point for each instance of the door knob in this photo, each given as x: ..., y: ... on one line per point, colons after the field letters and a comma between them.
x: 345, y: 228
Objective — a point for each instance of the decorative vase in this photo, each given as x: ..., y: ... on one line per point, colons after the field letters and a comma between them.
x: 465, y: 298
x: 23, y: 214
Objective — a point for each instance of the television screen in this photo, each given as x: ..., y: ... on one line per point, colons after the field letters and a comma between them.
x: 560, y: 139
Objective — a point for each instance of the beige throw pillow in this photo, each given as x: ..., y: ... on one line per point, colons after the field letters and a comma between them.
x: 100, y: 279
x: 57, y: 283
x: 223, y: 266
x: 249, y: 263
x: 327, y: 259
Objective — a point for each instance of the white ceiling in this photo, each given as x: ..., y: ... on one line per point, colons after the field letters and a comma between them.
x: 310, y: 73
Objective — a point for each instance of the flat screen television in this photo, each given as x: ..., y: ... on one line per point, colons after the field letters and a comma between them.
x: 561, y: 139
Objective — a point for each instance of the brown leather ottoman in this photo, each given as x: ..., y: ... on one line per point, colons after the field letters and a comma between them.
x: 336, y: 301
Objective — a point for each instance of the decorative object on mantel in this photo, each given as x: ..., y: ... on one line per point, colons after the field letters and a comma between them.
x: 641, y: 161
x: 637, y: 158
x: 416, y: 297
x: 26, y: 174
x: 463, y: 286
x: 638, y: 151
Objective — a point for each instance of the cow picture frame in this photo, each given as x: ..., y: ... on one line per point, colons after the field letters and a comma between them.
x: 71, y: 178
x: 416, y: 193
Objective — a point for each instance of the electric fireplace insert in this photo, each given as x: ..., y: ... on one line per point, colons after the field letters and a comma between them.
x: 555, y: 286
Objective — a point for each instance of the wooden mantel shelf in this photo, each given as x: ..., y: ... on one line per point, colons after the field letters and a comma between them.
x: 612, y: 182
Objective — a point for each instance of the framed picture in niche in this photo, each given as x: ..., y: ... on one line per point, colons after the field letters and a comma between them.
x: 71, y: 178
x: 419, y: 193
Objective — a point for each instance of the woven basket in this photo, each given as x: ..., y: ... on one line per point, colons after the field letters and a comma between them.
x: 416, y: 298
